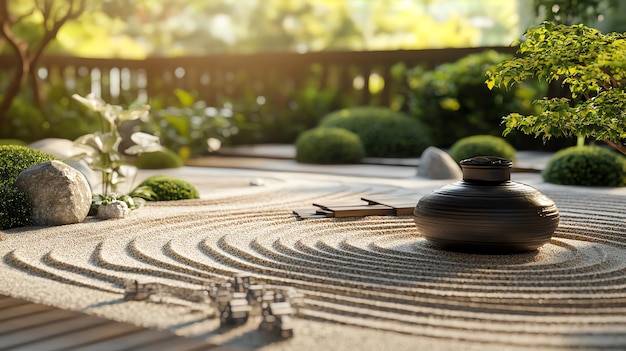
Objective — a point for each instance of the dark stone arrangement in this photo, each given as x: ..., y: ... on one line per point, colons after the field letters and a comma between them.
x: 234, y: 301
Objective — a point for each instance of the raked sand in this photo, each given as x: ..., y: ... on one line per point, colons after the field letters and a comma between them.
x: 369, y: 283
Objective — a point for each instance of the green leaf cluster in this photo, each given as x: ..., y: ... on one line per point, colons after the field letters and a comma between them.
x: 588, y: 63
x: 186, y: 126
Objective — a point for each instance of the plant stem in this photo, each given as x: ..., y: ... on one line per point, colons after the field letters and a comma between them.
x: 580, y: 141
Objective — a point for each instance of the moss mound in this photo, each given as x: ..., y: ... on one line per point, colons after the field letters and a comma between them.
x: 383, y: 132
x: 586, y: 165
x: 165, y: 188
x: 158, y: 160
x: 15, y: 208
x: 481, y: 145
x: 329, y: 146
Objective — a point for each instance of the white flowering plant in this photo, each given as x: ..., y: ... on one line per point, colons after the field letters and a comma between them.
x: 101, y: 149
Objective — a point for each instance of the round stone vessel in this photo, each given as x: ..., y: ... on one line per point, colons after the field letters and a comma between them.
x: 486, y: 212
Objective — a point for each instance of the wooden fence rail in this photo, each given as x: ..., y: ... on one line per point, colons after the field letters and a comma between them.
x: 367, y: 77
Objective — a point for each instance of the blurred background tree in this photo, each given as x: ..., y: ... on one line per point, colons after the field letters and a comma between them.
x: 137, y: 29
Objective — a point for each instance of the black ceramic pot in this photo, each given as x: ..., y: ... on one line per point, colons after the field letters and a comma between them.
x: 486, y: 212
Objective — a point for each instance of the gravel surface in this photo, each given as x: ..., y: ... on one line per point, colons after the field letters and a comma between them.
x: 369, y: 283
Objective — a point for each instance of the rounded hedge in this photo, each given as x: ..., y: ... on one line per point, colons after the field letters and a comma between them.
x: 329, y: 146
x: 586, y: 165
x: 166, y: 188
x: 481, y: 145
x: 383, y: 132
x: 15, y: 207
x: 158, y: 160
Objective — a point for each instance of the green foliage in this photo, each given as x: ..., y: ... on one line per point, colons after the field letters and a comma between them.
x: 140, y: 28
x: 568, y: 11
x: 481, y: 145
x: 158, y: 160
x: 16, y: 158
x: 588, y: 63
x: 586, y: 165
x: 190, y: 123
x: 453, y: 100
x: 132, y: 202
x: 15, y: 208
x: 266, y: 120
x: 328, y: 145
x: 383, y: 132
x: 59, y: 116
x: 12, y: 142
x: 165, y: 188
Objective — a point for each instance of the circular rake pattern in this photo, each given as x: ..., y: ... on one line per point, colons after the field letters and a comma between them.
x: 375, y: 272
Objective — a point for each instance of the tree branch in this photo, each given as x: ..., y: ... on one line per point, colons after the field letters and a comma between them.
x: 617, y: 146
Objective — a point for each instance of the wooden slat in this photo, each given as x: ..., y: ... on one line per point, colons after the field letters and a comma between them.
x: 403, y: 205
x: 142, y: 338
x: 35, y: 319
x: 20, y: 310
x: 361, y: 211
x: 25, y: 326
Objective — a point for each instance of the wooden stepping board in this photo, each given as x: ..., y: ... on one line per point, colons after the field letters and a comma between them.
x: 376, y: 205
x: 404, y: 205
x: 26, y: 326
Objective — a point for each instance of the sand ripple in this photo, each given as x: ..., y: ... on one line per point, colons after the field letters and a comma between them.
x: 376, y: 272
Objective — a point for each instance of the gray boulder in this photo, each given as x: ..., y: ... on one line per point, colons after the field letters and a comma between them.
x: 59, y: 193
x: 437, y: 164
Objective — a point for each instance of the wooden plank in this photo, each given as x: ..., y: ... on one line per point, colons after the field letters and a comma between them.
x: 132, y: 341
x: 337, y: 204
x: 310, y: 213
x: 362, y: 211
x: 35, y: 319
x: 80, y: 337
x: 48, y: 328
x: 181, y: 344
x: 41, y: 332
x: 20, y: 310
x: 8, y: 301
x: 403, y: 205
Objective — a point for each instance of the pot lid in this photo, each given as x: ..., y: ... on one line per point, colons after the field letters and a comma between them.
x: 486, y: 169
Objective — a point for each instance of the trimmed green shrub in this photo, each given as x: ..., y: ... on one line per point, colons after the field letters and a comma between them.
x: 329, y: 146
x: 158, y: 160
x: 586, y: 165
x: 454, y: 101
x: 165, y: 188
x: 15, y: 208
x: 383, y: 132
x: 481, y: 145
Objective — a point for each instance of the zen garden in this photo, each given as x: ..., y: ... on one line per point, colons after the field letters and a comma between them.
x: 313, y: 175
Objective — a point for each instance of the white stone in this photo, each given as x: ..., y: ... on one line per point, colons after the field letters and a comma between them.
x: 116, y: 209
x: 437, y: 164
x: 59, y: 193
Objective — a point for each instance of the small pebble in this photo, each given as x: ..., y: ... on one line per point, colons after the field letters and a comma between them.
x: 257, y: 182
